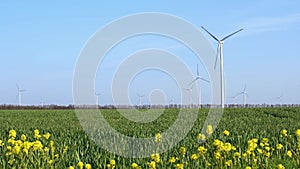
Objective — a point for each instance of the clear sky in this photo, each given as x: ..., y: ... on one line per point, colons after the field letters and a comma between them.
x: 40, y: 43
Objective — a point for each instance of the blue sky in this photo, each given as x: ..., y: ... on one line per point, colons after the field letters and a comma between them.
x: 40, y: 43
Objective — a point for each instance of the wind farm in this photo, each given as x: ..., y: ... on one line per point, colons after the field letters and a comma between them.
x: 150, y: 85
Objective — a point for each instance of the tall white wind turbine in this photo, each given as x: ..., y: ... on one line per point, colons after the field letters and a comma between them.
x: 220, y: 56
x: 19, y: 94
x: 197, y: 79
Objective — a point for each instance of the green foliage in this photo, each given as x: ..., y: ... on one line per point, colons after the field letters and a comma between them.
x: 243, y: 125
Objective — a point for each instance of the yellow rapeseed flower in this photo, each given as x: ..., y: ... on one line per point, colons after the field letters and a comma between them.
x: 267, y: 154
x: 1, y: 143
x: 182, y: 150
x: 217, y: 155
x: 152, y: 165
x: 179, y: 166
x: 218, y: 143
x: 265, y: 140
x: 156, y: 157
x: 194, y: 157
x: 228, y: 163
x: 201, y: 137
x: 37, y: 145
x: 227, y: 147
x: 289, y: 153
x: 237, y: 155
x: 284, y: 132
x: 12, y: 134
x: 280, y: 166
x: 248, y: 167
x: 113, y: 163
x: 65, y: 149
x: 11, y: 161
x: 17, y: 150
x: 260, y: 151
x: 9, y: 148
x: 226, y: 132
x: 279, y: 146
x: 80, y: 165
x: 297, y: 133
x: 172, y: 160
x: 209, y: 129
x: 71, y: 167
x: 47, y: 136
x: 135, y: 166
x: 88, y: 166
x: 23, y: 137
x: 50, y: 162
x: 157, y: 137
x: 25, y: 150
x: 202, y: 150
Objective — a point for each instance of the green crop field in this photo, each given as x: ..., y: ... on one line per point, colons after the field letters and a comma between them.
x: 245, y: 138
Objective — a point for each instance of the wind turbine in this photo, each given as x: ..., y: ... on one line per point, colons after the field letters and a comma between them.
x: 197, y: 79
x: 19, y: 95
x: 172, y: 101
x: 97, y: 98
x: 234, y: 99
x: 42, y: 102
x: 140, y: 99
x: 245, y: 95
x: 190, y: 93
x: 219, y: 54
x: 280, y: 99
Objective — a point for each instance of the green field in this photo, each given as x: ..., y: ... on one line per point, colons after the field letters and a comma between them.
x: 72, y: 145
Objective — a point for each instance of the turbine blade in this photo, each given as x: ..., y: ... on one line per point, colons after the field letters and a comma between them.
x: 210, y: 34
x: 205, y: 80
x: 18, y: 87
x: 218, y: 50
x: 194, y: 80
x: 231, y: 34
x: 198, y: 71
x: 245, y: 88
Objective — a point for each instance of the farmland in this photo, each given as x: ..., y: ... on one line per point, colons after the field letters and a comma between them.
x: 253, y: 138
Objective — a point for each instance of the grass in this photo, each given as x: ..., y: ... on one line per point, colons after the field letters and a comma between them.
x: 243, y: 124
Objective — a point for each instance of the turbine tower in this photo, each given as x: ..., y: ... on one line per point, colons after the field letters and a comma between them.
x: 197, y: 79
x: 19, y: 94
x: 140, y: 99
x: 219, y: 54
x: 97, y: 98
x: 42, y: 102
x: 245, y: 95
x: 190, y: 94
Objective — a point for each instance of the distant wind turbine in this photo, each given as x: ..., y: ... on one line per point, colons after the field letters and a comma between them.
x: 280, y: 99
x: 245, y: 95
x: 197, y: 79
x: 234, y: 99
x: 42, y: 102
x: 140, y: 99
x: 219, y: 54
x: 172, y: 101
x: 19, y: 94
x: 97, y: 98
x: 189, y: 90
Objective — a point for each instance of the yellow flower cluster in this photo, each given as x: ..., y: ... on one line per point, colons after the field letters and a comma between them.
x: 20, y: 151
